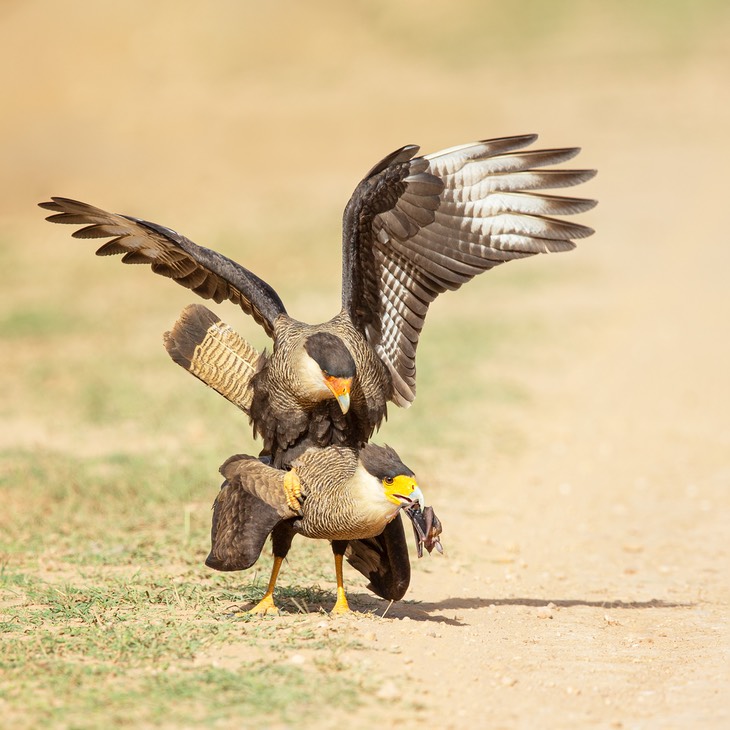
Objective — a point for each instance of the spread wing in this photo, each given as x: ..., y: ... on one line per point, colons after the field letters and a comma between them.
x: 208, y: 273
x: 250, y: 504
x: 418, y: 226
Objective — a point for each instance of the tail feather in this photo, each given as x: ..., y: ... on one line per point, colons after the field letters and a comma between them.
x: 212, y: 351
x: 383, y: 559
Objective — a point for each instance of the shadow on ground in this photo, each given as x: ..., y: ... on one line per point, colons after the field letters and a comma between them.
x: 429, y: 611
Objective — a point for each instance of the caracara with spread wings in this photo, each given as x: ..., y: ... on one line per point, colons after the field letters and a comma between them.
x: 415, y: 226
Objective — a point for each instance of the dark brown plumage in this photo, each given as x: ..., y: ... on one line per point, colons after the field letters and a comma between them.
x: 414, y: 227
x: 333, y: 494
x: 212, y: 351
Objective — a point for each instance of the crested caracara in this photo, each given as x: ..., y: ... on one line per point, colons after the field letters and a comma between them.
x: 415, y: 226
x: 333, y: 493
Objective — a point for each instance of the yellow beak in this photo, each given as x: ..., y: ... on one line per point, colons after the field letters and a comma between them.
x: 340, y: 388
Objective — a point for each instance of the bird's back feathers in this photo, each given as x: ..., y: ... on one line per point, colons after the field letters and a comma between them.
x: 413, y: 228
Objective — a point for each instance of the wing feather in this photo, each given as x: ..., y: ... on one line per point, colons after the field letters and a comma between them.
x: 248, y: 507
x: 418, y: 226
x: 206, y: 272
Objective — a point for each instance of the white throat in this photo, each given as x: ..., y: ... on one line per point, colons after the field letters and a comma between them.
x: 370, y: 497
x: 311, y: 378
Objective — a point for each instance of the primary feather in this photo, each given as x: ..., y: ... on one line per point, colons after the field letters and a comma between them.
x: 416, y: 226
x: 419, y: 226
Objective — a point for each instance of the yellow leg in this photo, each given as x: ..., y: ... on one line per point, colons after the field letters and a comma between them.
x: 267, y: 602
x: 341, y: 602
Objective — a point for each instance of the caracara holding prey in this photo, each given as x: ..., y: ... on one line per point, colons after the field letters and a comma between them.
x: 415, y: 227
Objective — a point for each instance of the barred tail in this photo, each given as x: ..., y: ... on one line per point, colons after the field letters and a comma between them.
x: 213, y: 352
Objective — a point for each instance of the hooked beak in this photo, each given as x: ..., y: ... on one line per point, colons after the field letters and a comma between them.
x: 415, y: 496
x: 344, y: 401
x: 340, y: 388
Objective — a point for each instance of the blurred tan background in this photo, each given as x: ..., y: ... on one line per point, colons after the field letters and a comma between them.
x: 241, y: 108
x: 247, y: 125
x: 600, y: 478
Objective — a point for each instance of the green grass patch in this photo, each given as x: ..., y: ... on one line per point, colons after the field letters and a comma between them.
x: 108, y: 618
x: 22, y: 323
x: 108, y: 470
x: 125, y: 656
x: 109, y: 649
x: 181, y: 696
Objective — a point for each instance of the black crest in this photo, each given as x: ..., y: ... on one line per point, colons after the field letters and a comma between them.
x: 383, y: 461
x: 330, y: 353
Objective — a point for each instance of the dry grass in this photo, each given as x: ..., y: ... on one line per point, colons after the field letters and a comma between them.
x: 109, y: 467
x: 246, y: 128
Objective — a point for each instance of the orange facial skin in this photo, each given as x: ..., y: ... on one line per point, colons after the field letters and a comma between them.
x: 340, y: 388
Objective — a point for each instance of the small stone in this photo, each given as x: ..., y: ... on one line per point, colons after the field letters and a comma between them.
x: 632, y: 547
x: 544, y: 612
x: 388, y: 691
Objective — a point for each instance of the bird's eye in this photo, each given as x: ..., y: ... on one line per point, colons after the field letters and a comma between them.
x: 388, y: 480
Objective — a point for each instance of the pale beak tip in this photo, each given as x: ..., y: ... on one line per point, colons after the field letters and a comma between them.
x: 417, y: 496
x: 344, y: 402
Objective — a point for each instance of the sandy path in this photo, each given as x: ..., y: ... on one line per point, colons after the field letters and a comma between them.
x: 587, y: 585
x: 586, y: 581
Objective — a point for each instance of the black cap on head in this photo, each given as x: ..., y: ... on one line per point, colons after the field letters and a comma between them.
x: 382, y: 461
x: 330, y: 353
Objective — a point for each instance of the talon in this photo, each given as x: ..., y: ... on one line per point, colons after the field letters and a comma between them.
x: 264, y: 605
x: 293, y: 491
x: 341, y: 606
x: 267, y: 602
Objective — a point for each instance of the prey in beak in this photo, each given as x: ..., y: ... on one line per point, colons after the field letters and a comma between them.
x: 426, y: 527
x: 415, y: 496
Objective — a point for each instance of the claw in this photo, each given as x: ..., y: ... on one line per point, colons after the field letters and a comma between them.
x: 293, y: 491
x: 264, y: 605
x: 267, y: 602
x: 341, y: 606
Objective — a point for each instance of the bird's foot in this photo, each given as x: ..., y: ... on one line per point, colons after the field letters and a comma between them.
x: 341, y: 606
x: 264, y: 605
x: 293, y: 491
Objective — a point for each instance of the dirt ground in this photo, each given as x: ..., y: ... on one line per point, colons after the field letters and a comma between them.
x: 593, y: 590
x: 585, y: 582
